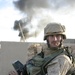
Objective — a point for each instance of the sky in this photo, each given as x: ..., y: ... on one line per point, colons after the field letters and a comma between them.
x: 62, y: 11
x: 8, y: 14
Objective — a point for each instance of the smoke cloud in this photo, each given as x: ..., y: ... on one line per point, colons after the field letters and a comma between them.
x: 39, y: 12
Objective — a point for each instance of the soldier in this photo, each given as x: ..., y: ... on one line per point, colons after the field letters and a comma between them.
x: 54, y: 59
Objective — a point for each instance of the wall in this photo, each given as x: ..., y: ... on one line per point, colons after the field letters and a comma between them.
x: 11, y: 51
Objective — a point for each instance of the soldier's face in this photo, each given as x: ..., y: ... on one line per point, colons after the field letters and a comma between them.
x: 54, y: 40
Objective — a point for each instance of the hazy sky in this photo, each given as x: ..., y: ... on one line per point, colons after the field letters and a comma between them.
x: 62, y: 11
x: 8, y: 14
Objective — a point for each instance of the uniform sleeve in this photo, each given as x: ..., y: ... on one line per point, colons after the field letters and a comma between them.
x: 59, y: 66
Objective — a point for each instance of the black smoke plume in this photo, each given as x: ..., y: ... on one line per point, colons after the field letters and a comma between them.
x: 39, y: 12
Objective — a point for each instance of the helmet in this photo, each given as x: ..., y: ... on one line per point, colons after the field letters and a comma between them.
x: 54, y: 28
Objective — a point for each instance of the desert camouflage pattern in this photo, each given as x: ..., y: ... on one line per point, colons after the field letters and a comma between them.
x: 54, y: 28
x: 58, y: 66
x: 33, y: 50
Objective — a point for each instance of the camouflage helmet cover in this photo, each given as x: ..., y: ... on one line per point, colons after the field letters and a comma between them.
x: 54, y: 28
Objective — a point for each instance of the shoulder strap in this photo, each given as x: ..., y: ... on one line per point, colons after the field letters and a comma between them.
x: 49, y: 59
x: 71, y: 56
x: 69, y: 53
x: 41, y: 53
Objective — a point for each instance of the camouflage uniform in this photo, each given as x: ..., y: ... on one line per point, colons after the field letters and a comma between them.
x: 62, y: 63
x: 59, y: 65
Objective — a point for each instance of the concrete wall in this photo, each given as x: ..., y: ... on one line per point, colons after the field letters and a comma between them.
x: 11, y: 51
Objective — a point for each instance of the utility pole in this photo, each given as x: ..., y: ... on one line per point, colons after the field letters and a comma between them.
x: 21, y: 30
